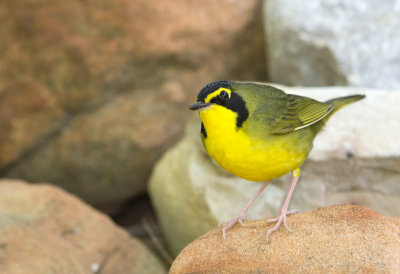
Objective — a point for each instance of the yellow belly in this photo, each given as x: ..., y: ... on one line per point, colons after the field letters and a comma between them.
x: 252, y: 158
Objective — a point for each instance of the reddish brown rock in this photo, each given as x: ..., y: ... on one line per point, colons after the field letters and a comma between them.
x: 46, y: 230
x: 108, y: 152
x: 336, y: 239
x: 90, y: 56
x: 28, y: 113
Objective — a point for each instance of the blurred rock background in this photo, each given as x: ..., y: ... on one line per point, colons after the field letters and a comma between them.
x: 333, y: 42
x: 92, y: 93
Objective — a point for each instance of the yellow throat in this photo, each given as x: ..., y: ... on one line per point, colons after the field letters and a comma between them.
x: 249, y: 157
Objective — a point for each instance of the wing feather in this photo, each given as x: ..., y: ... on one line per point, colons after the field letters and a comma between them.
x: 300, y: 112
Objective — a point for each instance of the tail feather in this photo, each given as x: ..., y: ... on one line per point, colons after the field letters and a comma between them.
x: 344, y: 101
x: 337, y: 103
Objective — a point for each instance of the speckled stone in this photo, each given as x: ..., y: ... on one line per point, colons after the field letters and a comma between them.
x: 335, y: 239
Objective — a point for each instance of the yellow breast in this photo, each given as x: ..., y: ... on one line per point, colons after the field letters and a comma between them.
x: 255, y: 159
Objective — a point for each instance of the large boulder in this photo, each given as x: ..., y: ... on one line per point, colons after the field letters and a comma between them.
x: 91, y: 94
x: 333, y: 42
x: 338, y: 239
x: 355, y: 160
x: 43, y: 229
x: 105, y: 155
x: 28, y: 113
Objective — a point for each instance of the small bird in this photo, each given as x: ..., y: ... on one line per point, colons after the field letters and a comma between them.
x: 258, y: 132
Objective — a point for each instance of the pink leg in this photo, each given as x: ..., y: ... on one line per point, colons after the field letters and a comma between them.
x: 284, y: 212
x: 242, y: 215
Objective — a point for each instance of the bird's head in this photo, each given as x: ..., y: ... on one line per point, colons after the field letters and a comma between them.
x: 215, y: 93
x: 221, y: 94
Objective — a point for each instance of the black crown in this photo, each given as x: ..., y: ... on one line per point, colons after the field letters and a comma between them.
x: 211, y: 87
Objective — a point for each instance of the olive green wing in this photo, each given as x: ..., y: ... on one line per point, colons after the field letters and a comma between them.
x: 299, y: 112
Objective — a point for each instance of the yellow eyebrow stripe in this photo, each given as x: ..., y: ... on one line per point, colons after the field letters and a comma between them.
x: 216, y: 93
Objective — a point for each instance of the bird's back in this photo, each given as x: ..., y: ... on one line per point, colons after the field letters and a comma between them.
x: 274, y: 112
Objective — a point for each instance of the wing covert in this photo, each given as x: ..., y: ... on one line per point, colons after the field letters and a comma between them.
x: 300, y: 112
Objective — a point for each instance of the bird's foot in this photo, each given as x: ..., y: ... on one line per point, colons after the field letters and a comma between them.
x: 281, y: 218
x: 239, y: 219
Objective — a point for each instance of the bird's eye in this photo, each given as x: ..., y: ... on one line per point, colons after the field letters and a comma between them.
x: 224, y: 95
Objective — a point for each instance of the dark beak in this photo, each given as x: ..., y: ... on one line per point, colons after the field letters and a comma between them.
x: 199, y: 105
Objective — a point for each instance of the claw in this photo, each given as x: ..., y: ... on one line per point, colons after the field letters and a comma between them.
x: 228, y: 225
x: 289, y: 212
x: 281, y: 218
x: 286, y: 225
x: 273, y: 220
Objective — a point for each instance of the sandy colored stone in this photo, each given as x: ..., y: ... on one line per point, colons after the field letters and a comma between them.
x: 191, y: 193
x: 45, y: 230
x: 180, y: 206
x: 132, y: 257
x: 336, y: 239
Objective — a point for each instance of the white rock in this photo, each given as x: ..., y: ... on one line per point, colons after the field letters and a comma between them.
x: 364, y: 128
x: 333, y: 42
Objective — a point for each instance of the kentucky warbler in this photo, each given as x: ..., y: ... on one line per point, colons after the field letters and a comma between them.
x: 259, y: 133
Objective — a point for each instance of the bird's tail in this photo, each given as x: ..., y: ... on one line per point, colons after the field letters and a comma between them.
x: 337, y: 103
x: 344, y: 101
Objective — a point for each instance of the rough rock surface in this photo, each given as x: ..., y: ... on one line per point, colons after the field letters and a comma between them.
x: 96, y: 91
x: 355, y: 160
x: 337, y: 239
x: 107, y: 151
x: 27, y: 113
x: 46, y: 230
x: 333, y: 42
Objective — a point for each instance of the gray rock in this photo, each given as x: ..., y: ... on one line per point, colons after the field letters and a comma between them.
x: 333, y: 42
x: 356, y: 160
